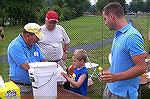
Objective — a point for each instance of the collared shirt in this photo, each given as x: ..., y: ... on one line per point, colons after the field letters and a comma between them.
x: 18, y: 54
x: 127, y: 43
x: 51, y: 44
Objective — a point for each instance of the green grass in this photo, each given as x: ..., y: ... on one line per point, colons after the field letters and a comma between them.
x: 10, y: 34
x: 83, y: 30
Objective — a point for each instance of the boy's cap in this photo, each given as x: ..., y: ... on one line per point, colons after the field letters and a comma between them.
x: 52, y: 16
x: 34, y: 28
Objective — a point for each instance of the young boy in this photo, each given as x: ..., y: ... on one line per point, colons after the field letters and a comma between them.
x: 79, y: 78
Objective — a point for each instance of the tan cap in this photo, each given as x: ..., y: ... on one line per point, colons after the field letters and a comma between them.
x: 34, y: 28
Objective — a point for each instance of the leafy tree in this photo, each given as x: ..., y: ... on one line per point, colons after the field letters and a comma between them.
x: 22, y: 11
x: 93, y: 9
x: 100, y: 4
x: 2, y: 5
x: 78, y: 5
x: 137, y: 5
x: 86, y: 6
x: 59, y: 3
x: 41, y: 14
x: 66, y: 14
x: 147, y: 6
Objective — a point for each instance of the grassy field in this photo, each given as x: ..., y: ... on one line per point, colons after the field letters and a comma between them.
x: 83, y: 30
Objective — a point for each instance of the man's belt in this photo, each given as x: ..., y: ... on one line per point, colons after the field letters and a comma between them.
x: 19, y: 83
x: 55, y: 60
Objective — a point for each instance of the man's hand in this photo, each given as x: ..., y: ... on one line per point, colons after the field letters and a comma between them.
x: 108, y: 77
x: 64, y: 57
x: 25, y: 66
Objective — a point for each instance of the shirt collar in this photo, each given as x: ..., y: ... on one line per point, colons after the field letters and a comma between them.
x: 21, y: 40
x: 123, y: 30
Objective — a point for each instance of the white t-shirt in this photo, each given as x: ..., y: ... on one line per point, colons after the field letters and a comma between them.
x: 51, y: 44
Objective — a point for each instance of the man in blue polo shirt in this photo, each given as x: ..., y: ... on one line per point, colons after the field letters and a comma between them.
x: 127, y: 53
x: 21, y: 51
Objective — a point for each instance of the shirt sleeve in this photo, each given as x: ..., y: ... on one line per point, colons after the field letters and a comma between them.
x: 17, y: 54
x: 66, y: 39
x: 41, y: 55
x: 135, y: 44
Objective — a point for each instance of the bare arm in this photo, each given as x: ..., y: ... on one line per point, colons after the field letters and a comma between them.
x: 78, y: 83
x: 66, y: 46
x: 26, y: 65
x: 65, y: 49
x: 139, y: 68
x: 135, y: 71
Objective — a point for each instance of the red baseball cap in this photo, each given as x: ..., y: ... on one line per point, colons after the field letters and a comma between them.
x: 52, y: 15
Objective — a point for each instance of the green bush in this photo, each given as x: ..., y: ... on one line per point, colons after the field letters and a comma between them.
x: 65, y: 14
x: 57, y: 9
x: 41, y: 14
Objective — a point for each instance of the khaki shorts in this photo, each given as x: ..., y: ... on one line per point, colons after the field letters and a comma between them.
x: 108, y: 95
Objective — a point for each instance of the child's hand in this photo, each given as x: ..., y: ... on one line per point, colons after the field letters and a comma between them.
x: 70, y: 69
x: 66, y: 76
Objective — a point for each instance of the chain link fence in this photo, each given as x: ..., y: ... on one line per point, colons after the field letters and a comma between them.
x: 87, y: 32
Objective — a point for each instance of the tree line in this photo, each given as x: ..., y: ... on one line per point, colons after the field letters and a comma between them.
x: 24, y: 11
x: 14, y: 12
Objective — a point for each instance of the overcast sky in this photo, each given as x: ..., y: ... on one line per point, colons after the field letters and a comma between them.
x: 128, y: 1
